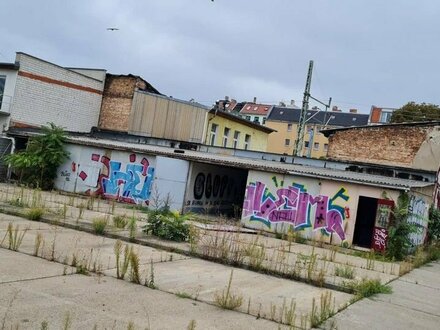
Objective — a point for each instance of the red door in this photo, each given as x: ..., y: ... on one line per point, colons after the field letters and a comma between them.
x: 380, y: 231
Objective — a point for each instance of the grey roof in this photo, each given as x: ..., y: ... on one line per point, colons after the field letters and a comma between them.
x: 252, y: 164
x: 331, y: 118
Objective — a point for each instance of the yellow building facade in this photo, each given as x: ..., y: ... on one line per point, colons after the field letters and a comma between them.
x: 283, y: 140
x: 229, y: 131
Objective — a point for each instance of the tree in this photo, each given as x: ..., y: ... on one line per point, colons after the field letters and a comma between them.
x: 38, y: 164
x: 412, y: 112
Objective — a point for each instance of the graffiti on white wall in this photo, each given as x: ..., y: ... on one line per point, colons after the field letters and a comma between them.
x: 293, y: 205
x: 418, y: 215
x: 129, y: 183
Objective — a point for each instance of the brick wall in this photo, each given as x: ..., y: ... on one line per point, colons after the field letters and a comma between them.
x: 46, y: 92
x: 389, y: 145
x: 117, y: 101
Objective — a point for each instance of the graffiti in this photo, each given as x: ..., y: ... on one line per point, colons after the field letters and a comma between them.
x: 380, y: 236
x: 130, y: 185
x: 205, y: 186
x: 66, y: 175
x: 293, y: 205
x: 383, y: 215
x: 418, y: 215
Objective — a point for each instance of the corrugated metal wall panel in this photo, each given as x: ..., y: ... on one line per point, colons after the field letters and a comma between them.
x: 166, y: 118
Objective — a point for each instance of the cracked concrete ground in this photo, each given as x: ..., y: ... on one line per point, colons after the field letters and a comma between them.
x: 414, y: 304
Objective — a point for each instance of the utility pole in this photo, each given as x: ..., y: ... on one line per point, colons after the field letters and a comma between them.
x: 303, y: 116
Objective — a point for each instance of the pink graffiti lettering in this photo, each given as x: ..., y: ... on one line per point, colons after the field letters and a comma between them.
x: 293, y: 206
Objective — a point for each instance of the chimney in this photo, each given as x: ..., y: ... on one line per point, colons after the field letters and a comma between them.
x: 292, y: 102
x: 226, y: 98
x: 353, y: 110
x: 282, y: 104
x: 336, y: 109
x: 255, y: 99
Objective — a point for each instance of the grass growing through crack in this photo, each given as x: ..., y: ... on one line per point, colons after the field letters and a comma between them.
x: 99, y: 225
x: 226, y: 299
x: 120, y: 221
x: 121, y: 265
x: 367, y: 288
x: 35, y: 213
x: 132, y: 227
x: 323, y: 311
x: 345, y: 271
x: 183, y: 295
x: 15, y: 236
x: 134, y: 267
x: 150, y: 279
x: 38, y: 242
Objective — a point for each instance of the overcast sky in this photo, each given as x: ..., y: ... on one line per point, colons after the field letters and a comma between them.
x: 365, y: 51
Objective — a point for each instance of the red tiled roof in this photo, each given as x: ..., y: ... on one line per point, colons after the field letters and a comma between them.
x: 255, y: 109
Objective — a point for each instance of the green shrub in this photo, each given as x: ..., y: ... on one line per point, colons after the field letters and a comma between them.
x: 434, y: 225
x: 35, y: 213
x: 99, y: 225
x: 167, y: 225
x: 399, y: 244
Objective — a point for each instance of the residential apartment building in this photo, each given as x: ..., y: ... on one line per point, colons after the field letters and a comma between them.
x: 230, y: 131
x: 380, y: 115
x: 284, y: 120
x: 35, y: 92
x: 256, y: 113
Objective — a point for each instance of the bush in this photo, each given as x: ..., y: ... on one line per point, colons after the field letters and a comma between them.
x: 99, y: 225
x: 399, y: 244
x: 434, y: 225
x: 167, y: 225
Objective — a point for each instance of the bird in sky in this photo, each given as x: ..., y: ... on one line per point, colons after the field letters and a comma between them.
x: 112, y: 29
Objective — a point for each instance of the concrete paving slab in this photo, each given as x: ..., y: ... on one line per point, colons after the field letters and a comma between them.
x: 110, y: 304
x: 202, y: 279
x: 412, y: 305
x: 15, y: 266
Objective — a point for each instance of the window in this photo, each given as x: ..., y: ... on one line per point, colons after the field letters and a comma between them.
x: 287, y: 142
x: 257, y: 120
x: 316, y: 145
x: 225, y: 137
x: 385, y: 117
x: 213, y: 133
x: 289, y: 127
x: 247, y: 142
x: 248, y: 117
x: 306, y: 144
x: 2, y: 88
x: 236, y: 139
x: 264, y: 120
x: 325, y: 146
x: 255, y: 108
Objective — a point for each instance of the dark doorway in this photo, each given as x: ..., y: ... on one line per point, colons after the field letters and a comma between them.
x: 365, y: 218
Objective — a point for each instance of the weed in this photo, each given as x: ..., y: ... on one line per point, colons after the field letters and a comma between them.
x: 120, y: 221
x: 44, y: 325
x: 134, y: 267
x: 149, y: 280
x: 322, y: 312
x: 99, y: 225
x: 67, y: 323
x: 38, y: 241
x: 345, y: 271
x: 132, y: 227
x: 35, y: 213
x: 192, y: 325
x: 15, y: 237
x: 130, y: 325
x: 183, y: 295
x: 367, y: 288
x: 81, y: 269
x: 256, y: 254
x: 81, y: 208
x: 226, y: 299
x: 16, y: 202
x: 121, y: 267
x: 193, y: 238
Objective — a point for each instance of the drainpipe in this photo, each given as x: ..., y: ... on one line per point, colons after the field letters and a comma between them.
x: 8, y: 174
